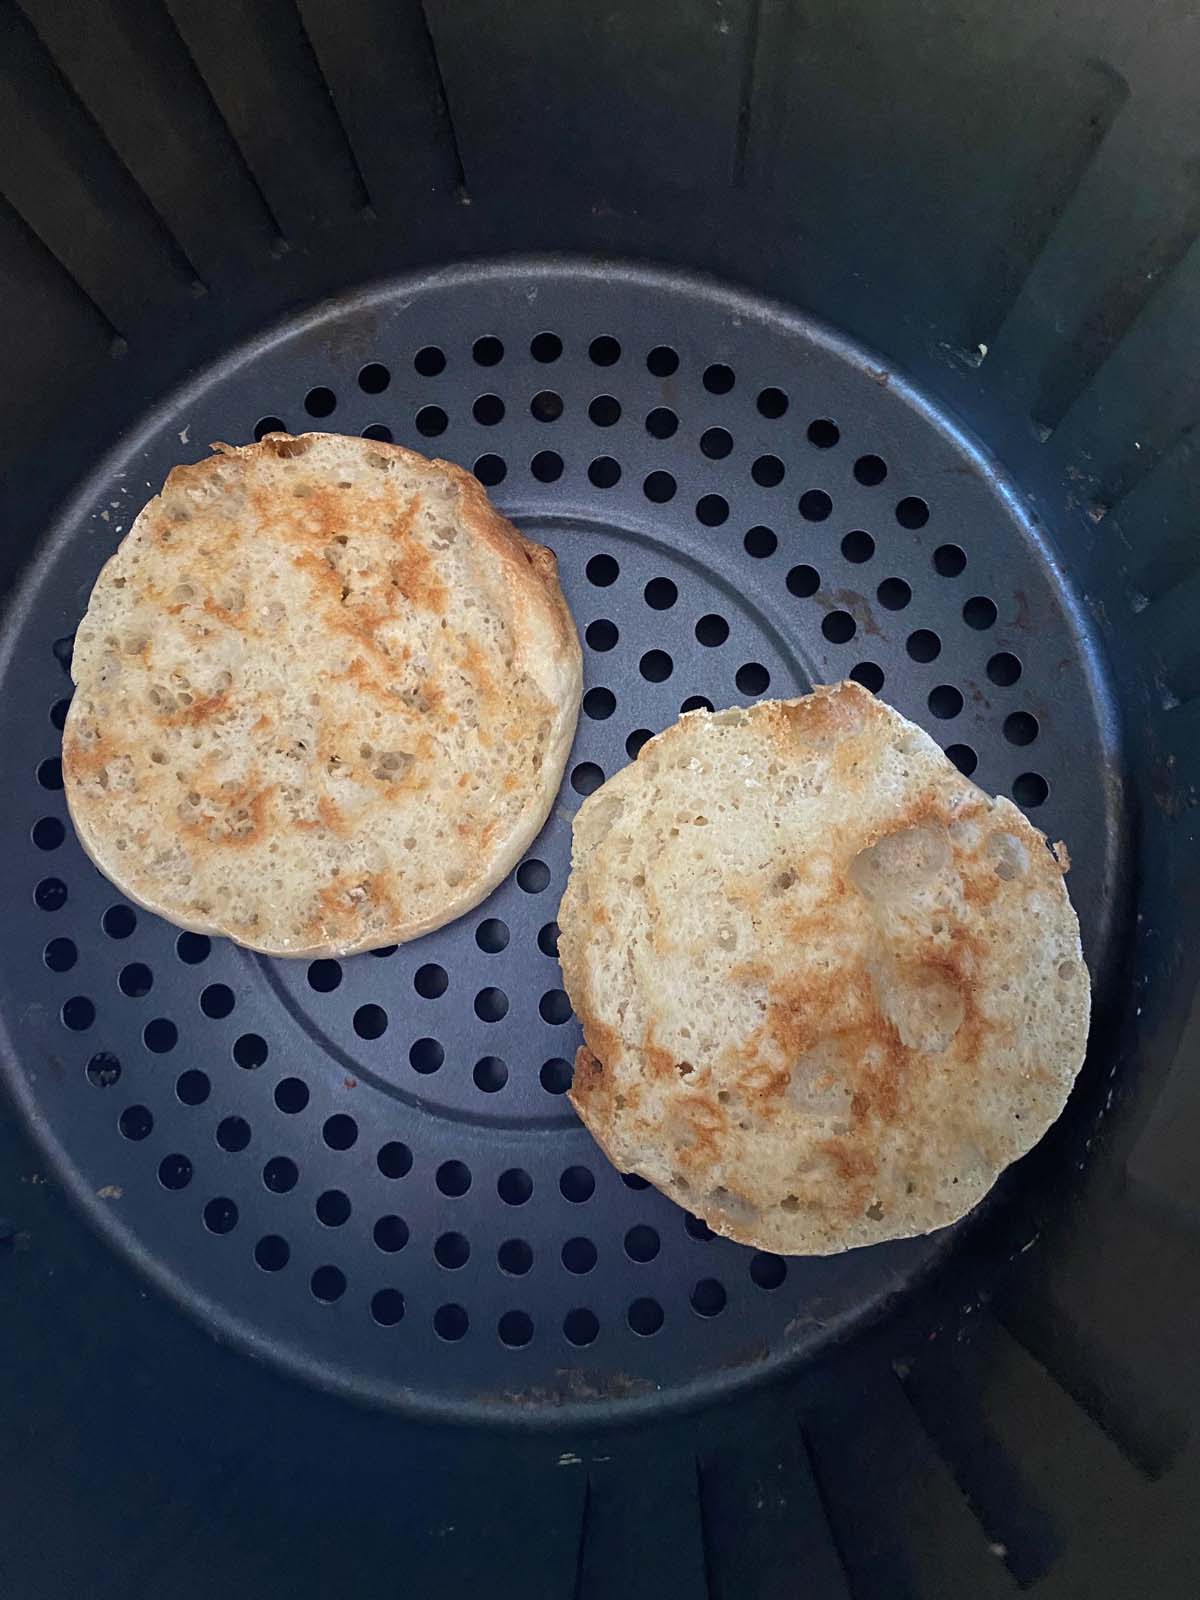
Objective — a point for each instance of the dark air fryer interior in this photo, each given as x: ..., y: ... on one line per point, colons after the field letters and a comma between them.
x: 849, y: 341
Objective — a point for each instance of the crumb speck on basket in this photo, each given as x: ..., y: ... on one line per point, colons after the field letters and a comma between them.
x: 110, y: 1191
x: 183, y: 434
x: 569, y: 1459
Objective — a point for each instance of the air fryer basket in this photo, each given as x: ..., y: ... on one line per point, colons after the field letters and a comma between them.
x: 822, y: 344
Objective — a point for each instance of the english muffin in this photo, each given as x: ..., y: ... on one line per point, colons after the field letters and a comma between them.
x: 324, y: 696
x: 829, y: 988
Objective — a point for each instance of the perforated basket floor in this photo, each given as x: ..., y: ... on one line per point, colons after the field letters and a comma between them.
x: 368, y: 1169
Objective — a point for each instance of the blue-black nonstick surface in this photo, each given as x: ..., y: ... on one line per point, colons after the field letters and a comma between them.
x: 367, y: 1170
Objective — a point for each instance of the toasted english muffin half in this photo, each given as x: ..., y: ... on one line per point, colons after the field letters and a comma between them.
x: 829, y: 988
x: 324, y: 697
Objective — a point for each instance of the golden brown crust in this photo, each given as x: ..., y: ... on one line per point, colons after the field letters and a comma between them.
x: 531, y: 574
x: 334, y: 662
x: 828, y: 987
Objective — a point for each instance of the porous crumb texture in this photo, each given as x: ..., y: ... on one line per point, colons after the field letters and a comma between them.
x: 828, y: 987
x: 324, y: 697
